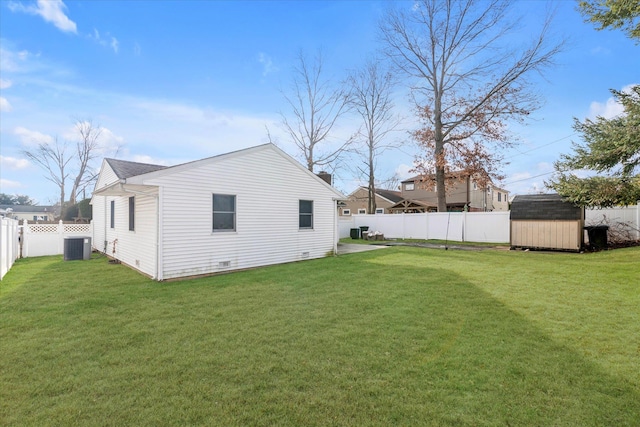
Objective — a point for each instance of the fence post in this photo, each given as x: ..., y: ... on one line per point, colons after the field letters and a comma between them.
x: 464, y: 225
x: 26, y: 231
x: 61, y: 236
x: 638, y: 221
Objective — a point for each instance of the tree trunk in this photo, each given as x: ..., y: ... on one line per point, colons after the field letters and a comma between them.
x: 439, y: 155
x: 372, y: 184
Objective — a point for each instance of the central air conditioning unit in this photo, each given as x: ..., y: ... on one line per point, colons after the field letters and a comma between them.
x: 77, y: 248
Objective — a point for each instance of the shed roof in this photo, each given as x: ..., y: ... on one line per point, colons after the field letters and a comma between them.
x: 543, y: 207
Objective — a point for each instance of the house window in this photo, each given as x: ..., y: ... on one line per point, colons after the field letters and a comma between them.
x: 113, y: 214
x: 475, y: 185
x: 132, y: 213
x: 306, y: 214
x: 488, y: 190
x: 346, y: 212
x: 224, y: 212
x: 499, y: 196
x: 362, y: 211
x: 379, y: 211
x: 409, y: 186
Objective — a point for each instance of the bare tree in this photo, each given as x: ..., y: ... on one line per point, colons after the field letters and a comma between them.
x: 54, y: 160
x: 59, y: 164
x: 469, y: 80
x: 371, y: 87
x: 391, y: 183
x: 87, y: 149
x: 316, y: 105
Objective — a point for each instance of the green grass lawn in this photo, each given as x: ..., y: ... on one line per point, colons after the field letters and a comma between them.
x: 400, y: 336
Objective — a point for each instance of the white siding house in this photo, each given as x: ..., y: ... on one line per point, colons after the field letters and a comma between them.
x: 239, y: 210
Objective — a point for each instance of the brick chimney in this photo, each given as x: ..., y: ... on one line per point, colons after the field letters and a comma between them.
x: 325, y: 176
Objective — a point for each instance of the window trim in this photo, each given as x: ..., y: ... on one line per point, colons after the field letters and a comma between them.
x: 346, y: 212
x: 409, y: 186
x: 132, y: 213
x: 362, y: 211
x: 112, y: 209
x: 304, y: 214
x: 379, y: 211
x: 213, y: 214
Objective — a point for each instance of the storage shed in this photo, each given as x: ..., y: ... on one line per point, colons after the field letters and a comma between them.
x: 546, y: 221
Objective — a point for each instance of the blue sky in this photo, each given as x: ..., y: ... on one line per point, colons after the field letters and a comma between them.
x: 175, y: 81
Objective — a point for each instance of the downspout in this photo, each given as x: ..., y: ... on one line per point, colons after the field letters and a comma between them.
x: 157, y: 266
x: 105, y: 224
x: 159, y: 228
x: 335, y: 226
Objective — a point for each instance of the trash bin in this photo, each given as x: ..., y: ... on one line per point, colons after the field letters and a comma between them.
x: 355, y: 233
x: 597, y: 236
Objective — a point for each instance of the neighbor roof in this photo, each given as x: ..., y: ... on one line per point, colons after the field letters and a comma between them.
x: 28, y: 208
x: 394, y: 196
x: 125, y: 169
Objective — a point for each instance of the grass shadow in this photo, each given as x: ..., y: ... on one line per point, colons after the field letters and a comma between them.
x: 370, y: 339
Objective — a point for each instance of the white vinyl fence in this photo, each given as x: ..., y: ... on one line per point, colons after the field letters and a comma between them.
x: 48, y: 239
x: 9, y: 244
x: 490, y: 227
x: 624, y: 221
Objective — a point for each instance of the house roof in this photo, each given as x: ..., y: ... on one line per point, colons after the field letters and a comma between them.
x: 28, y: 208
x: 410, y: 203
x: 125, y: 169
x: 136, y: 173
x: 393, y: 196
x: 543, y: 207
x: 390, y: 195
x: 449, y: 175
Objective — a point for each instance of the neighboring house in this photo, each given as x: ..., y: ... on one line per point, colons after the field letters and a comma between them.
x: 462, y: 194
x: 29, y: 212
x: 239, y: 210
x: 357, y: 202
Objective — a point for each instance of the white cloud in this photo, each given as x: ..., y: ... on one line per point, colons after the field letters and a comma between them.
x: 108, y: 142
x: 611, y: 108
x: 149, y: 160
x: 5, y: 84
x: 31, y: 137
x: 5, y: 183
x: 403, y: 171
x: 5, y: 106
x: 267, y: 64
x: 50, y: 10
x: 13, y: 163
x: 112, y: 43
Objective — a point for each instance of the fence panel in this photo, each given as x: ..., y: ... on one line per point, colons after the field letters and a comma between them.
x: 626, y: 220
x: 489, y: 227
x: 446, y: 226
x: 9, y: 244
x: 48, y: 239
